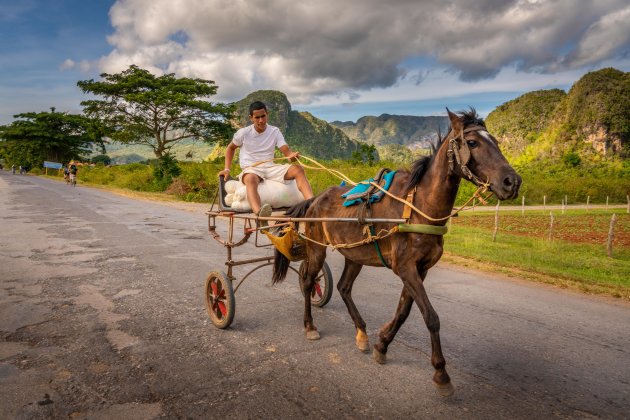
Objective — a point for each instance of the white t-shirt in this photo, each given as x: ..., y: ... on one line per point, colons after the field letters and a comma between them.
x: 256, y: 146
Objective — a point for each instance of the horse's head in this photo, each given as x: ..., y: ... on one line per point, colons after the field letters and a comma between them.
x: 474, y: 154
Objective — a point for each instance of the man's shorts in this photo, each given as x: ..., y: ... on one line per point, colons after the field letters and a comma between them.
x: 272, y: 172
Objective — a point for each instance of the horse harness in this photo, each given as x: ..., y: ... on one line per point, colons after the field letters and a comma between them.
x: 460, y: 154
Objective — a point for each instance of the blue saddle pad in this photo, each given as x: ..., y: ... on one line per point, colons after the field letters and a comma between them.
x: 363, y: 187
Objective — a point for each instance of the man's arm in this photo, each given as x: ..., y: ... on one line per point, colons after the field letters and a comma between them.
x: 286, y: 151
x: 229, y: 155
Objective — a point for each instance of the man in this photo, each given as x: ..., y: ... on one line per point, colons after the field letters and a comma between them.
x: 73, y: 174
x: 258, y: 143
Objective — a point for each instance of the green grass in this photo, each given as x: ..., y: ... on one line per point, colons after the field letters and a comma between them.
x: 586, y: 265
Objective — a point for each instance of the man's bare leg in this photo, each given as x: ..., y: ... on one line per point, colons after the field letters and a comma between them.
x: 297, y: 172
x: 251, y: 182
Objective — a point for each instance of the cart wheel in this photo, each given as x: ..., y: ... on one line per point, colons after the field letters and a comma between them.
x: 323, y: 288
x: 220, y: 299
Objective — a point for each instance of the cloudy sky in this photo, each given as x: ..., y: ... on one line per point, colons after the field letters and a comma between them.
x: 339, y: 60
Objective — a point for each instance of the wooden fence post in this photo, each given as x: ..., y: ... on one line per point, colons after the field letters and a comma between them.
x: 606, y: 202
x: 588, y: 199
x: 496, y: 222
x: 551, y: 225
x: 564, y: 203
x: 523, y: 206
x: 611, y: 235
x: 544, y: 202
x: 628, y: 200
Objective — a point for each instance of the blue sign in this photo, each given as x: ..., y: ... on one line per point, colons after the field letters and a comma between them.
x: 53, y: 165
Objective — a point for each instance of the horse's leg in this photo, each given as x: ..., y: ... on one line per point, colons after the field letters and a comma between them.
x: 315, y: 261
x: 350, y: 272
x: 413, y: 279
x: 388, y: 331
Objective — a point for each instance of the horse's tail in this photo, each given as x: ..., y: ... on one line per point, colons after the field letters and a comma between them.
x: 280, y: 262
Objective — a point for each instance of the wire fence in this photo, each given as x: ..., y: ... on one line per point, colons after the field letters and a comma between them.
x: 575, y: 222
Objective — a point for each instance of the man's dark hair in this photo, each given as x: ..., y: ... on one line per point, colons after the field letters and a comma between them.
x: 255, y: 106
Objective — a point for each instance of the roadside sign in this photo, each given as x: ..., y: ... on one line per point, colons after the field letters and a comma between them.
x: 52, y: 165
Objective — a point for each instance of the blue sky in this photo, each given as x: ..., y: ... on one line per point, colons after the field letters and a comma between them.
x: 396, y: 57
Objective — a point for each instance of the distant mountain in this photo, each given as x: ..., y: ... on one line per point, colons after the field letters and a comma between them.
x: 411, y: 131
x: 591, y: 121
x: 302, y: 131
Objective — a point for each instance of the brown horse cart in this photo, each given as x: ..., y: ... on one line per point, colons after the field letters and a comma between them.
x: 220, y: 291
x: 413, y: 246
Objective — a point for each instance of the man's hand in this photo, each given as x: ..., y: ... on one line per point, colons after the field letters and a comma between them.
x: 293, y: 156
x: 225, y: 173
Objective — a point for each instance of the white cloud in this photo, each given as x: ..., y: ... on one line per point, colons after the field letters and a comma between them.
x: 607, y: 37
x: 67, y: 64
x: 331, y: 48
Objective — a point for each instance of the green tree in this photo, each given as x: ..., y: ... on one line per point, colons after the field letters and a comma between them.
x: 571, y: 159
x: 366, y: 154
x: 141, y: 108
x: 54, y: 136
x: 102, y: 159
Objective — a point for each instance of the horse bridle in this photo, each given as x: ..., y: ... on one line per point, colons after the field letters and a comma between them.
x: 461, y: 155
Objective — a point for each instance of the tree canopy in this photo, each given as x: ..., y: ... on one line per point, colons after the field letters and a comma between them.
x: 53, y: 136
x: 157, y: 111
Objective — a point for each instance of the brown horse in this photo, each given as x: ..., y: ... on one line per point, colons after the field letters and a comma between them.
x: 468, y: 151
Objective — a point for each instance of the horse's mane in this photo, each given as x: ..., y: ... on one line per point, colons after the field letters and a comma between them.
x: 420, y: 166
x: 470, y: 117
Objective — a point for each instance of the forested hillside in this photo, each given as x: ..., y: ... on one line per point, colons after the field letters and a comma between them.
x: 518, y: 123
x: 407, y: 130
x: 590, y: 123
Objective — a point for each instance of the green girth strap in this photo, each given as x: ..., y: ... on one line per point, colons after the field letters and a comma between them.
x: 409, y: 228
x: 378, y: 248
x: 418, y: 228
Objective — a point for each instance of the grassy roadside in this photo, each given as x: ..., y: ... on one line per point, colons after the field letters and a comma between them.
x: 622, y: 293
x: 579, y: 266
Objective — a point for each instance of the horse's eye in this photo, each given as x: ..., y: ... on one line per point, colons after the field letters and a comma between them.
x: 472, y: 144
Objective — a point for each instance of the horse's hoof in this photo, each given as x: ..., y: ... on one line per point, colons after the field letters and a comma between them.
x: 444, y: 390
x: 380, y: 358
x: 312, y: 335
x: 364, y: 346
x: 362, y: 341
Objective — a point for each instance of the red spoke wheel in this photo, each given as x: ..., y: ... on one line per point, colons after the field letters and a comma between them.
x: 220, y: 299
x: 323, y: 288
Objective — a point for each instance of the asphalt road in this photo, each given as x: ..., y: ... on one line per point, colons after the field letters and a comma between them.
x: 102, y: 315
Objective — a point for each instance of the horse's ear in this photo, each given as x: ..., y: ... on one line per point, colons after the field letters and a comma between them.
x: 456, y: 122
x: 458, y: 125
